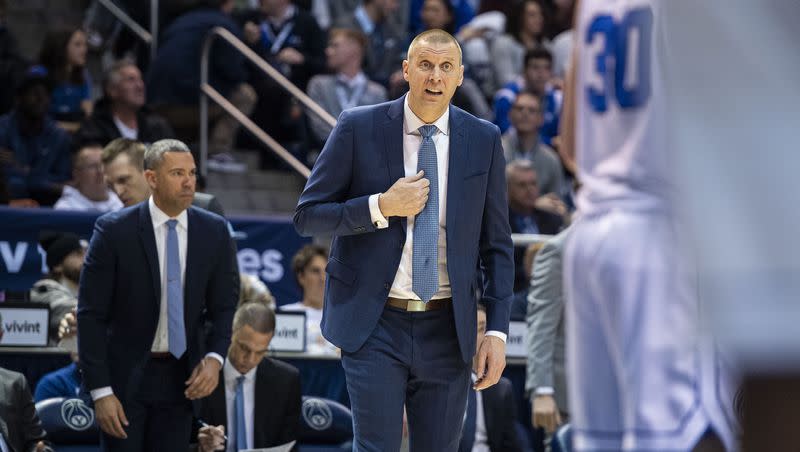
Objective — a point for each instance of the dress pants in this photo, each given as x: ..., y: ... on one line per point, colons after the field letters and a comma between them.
x: 410, y: 358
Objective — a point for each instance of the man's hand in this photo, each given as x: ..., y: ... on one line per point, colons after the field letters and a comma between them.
x: 551, y: 203
x: 490, y: 362
x: 544, y: 413
x: 111, y: 416
x: 251, y: 33
x: 211, y: 438
x: 203, y: 380
x: 406, y: 198
x: 290, y: 55
x: 68, y: 326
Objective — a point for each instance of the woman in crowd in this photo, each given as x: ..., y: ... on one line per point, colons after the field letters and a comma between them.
x: 525, y: 30
x: 63, y: 55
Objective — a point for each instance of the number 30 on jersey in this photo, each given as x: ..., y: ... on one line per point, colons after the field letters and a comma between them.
x: 623, y: 60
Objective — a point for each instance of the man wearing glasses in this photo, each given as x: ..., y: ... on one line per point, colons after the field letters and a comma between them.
x: 258, y: 405
x: 88, y: 190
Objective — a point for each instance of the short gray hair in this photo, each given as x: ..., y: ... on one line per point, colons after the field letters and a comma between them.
x: 154, y: 154
x: 260, y: 317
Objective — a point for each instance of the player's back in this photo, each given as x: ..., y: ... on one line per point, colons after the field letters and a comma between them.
x: 621, y: 147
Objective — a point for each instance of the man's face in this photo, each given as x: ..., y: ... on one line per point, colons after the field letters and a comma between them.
x: 523, y: 189
x: 248, y: 348
x: 537, y: 73
x: 312, y: 279
x: 35, y: 101
x: 173, y: 182
x: 127, y: 181
x: 433, y: 72
x: 72, y: 265
x: 88, y: 172
x: 526, y: 114
x: 341, y: 50
x: 129, y: 89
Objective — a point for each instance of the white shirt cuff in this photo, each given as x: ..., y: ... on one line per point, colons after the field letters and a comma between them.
x: 217, y: 357
x: 99, y: 393
x: 544, y: 390
x: 375, y: 214
x: 502, y: 336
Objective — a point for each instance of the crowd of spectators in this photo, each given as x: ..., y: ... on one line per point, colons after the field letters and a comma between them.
x: 75, y: 139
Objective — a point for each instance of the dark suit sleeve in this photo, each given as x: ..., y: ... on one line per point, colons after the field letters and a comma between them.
x: 322, y: 208
x: 94, y: 305
x: 496, y: 248
x: 30, y: 427
x: 222, y: 293
x: 291, y: 420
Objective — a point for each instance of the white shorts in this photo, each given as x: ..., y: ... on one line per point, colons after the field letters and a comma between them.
x: 639, y: 377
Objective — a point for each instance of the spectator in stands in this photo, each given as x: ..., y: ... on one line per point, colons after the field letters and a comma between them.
x: 63, y: 382
x: 12, y: 63
x: 88, y: 190
x: 522, y: 141
x: 20, y: 427
x: 347, y: 87
x: 269, y: 413
x: 519, y: 305
x: 387, y: 42
x: 33, y: 150
x: 253, y: 290
x: 308, y: 266
x: 59, y: 288
x: 123, y: 161
x: 122, y: 112
x: 525, y: 31
x: 459, y: 12
x: 173, y: 79
x: 524, y: 215
x: 491, y: 421
x: 537, y: 77
x: 546, y: 379
x: 562, y: 44
x: 290, y: 40
x: 63, y: 56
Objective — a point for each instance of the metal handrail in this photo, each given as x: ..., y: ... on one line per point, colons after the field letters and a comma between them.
x: 528, y: 239
x: 209, y: 92
x: 149, y: 37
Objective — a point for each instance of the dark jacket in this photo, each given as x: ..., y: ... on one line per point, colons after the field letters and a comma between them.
x: 174, y: 76
x: 499, y: 412
x: 19, y: 423
x: 100, y: 128
x: 548, y: 223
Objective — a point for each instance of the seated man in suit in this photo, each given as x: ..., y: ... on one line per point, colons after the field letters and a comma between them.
x: 259, y: 403
x: 20, y: 427
x: 123, y: 165
x: 490, y: 423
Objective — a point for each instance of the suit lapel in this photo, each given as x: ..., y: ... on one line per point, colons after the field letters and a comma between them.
x: 194, y: 244
x: 392, y: 131
x: 260, y: 412
x: 458, y: 161
x: 148, y: 240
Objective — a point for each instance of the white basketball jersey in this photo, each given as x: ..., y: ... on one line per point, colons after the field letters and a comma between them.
x: 621, y: 147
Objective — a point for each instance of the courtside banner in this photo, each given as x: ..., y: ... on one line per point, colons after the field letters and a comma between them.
x: 517, y: 342
x: 290, y: 332
x: 265, y: 247
x: 24, y: 324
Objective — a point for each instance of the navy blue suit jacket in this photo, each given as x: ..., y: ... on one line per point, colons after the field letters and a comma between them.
x: 364, y: 156
x: 120, y: 295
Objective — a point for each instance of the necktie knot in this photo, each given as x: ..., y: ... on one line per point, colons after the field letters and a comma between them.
x: 239, y: 380
x: 427, y: 131
x: 172, y: 223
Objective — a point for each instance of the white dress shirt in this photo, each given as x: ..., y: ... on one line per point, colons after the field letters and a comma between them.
x: 249, y: 387
x: 402, y: 285
x: 160, y: 229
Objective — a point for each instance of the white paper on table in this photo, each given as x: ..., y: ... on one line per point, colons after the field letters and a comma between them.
x: 282, y: 448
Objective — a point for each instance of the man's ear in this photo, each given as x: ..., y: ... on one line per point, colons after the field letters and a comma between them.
x: 405, y: 70
x: 150, y: 177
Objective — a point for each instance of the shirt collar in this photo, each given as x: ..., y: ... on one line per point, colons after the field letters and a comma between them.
x: 412, y: 123
x: 363, y: 19
x: 352, y: 82
x: 231, y: 373
x: 159, y: 217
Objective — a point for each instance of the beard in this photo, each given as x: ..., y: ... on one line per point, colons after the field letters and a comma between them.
x: 72, y: 274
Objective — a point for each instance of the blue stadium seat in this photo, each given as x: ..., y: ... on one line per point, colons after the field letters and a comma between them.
x: 70, y: 424
x: 562, y: 439
x: 325, y: 425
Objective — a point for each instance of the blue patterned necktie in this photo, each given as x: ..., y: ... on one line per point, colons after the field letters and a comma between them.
x: 425, y: 257
x: 241, y: 435
x: 177, y: 332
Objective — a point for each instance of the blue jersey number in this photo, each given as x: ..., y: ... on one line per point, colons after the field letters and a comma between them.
x: 623, y: 62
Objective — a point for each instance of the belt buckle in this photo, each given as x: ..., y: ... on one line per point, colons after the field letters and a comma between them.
x: 416, y: 306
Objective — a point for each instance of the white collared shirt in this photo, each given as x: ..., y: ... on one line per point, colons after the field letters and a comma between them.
x: 249, y: 387
x: 160, y: 229
x: 402, y: 285
x: 125, y: 131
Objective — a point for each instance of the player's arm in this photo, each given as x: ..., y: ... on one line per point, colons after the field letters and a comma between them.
x: 567, y: 147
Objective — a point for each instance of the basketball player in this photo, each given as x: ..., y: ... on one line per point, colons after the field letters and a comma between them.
x: 641, y: 376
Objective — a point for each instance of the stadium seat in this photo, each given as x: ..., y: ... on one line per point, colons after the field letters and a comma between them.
x: 562, y: 439
x: 325, y: 425
x: 70, y: 424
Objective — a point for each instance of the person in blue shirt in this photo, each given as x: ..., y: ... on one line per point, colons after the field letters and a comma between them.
x: 64, y: 382
x: 63, y: 59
